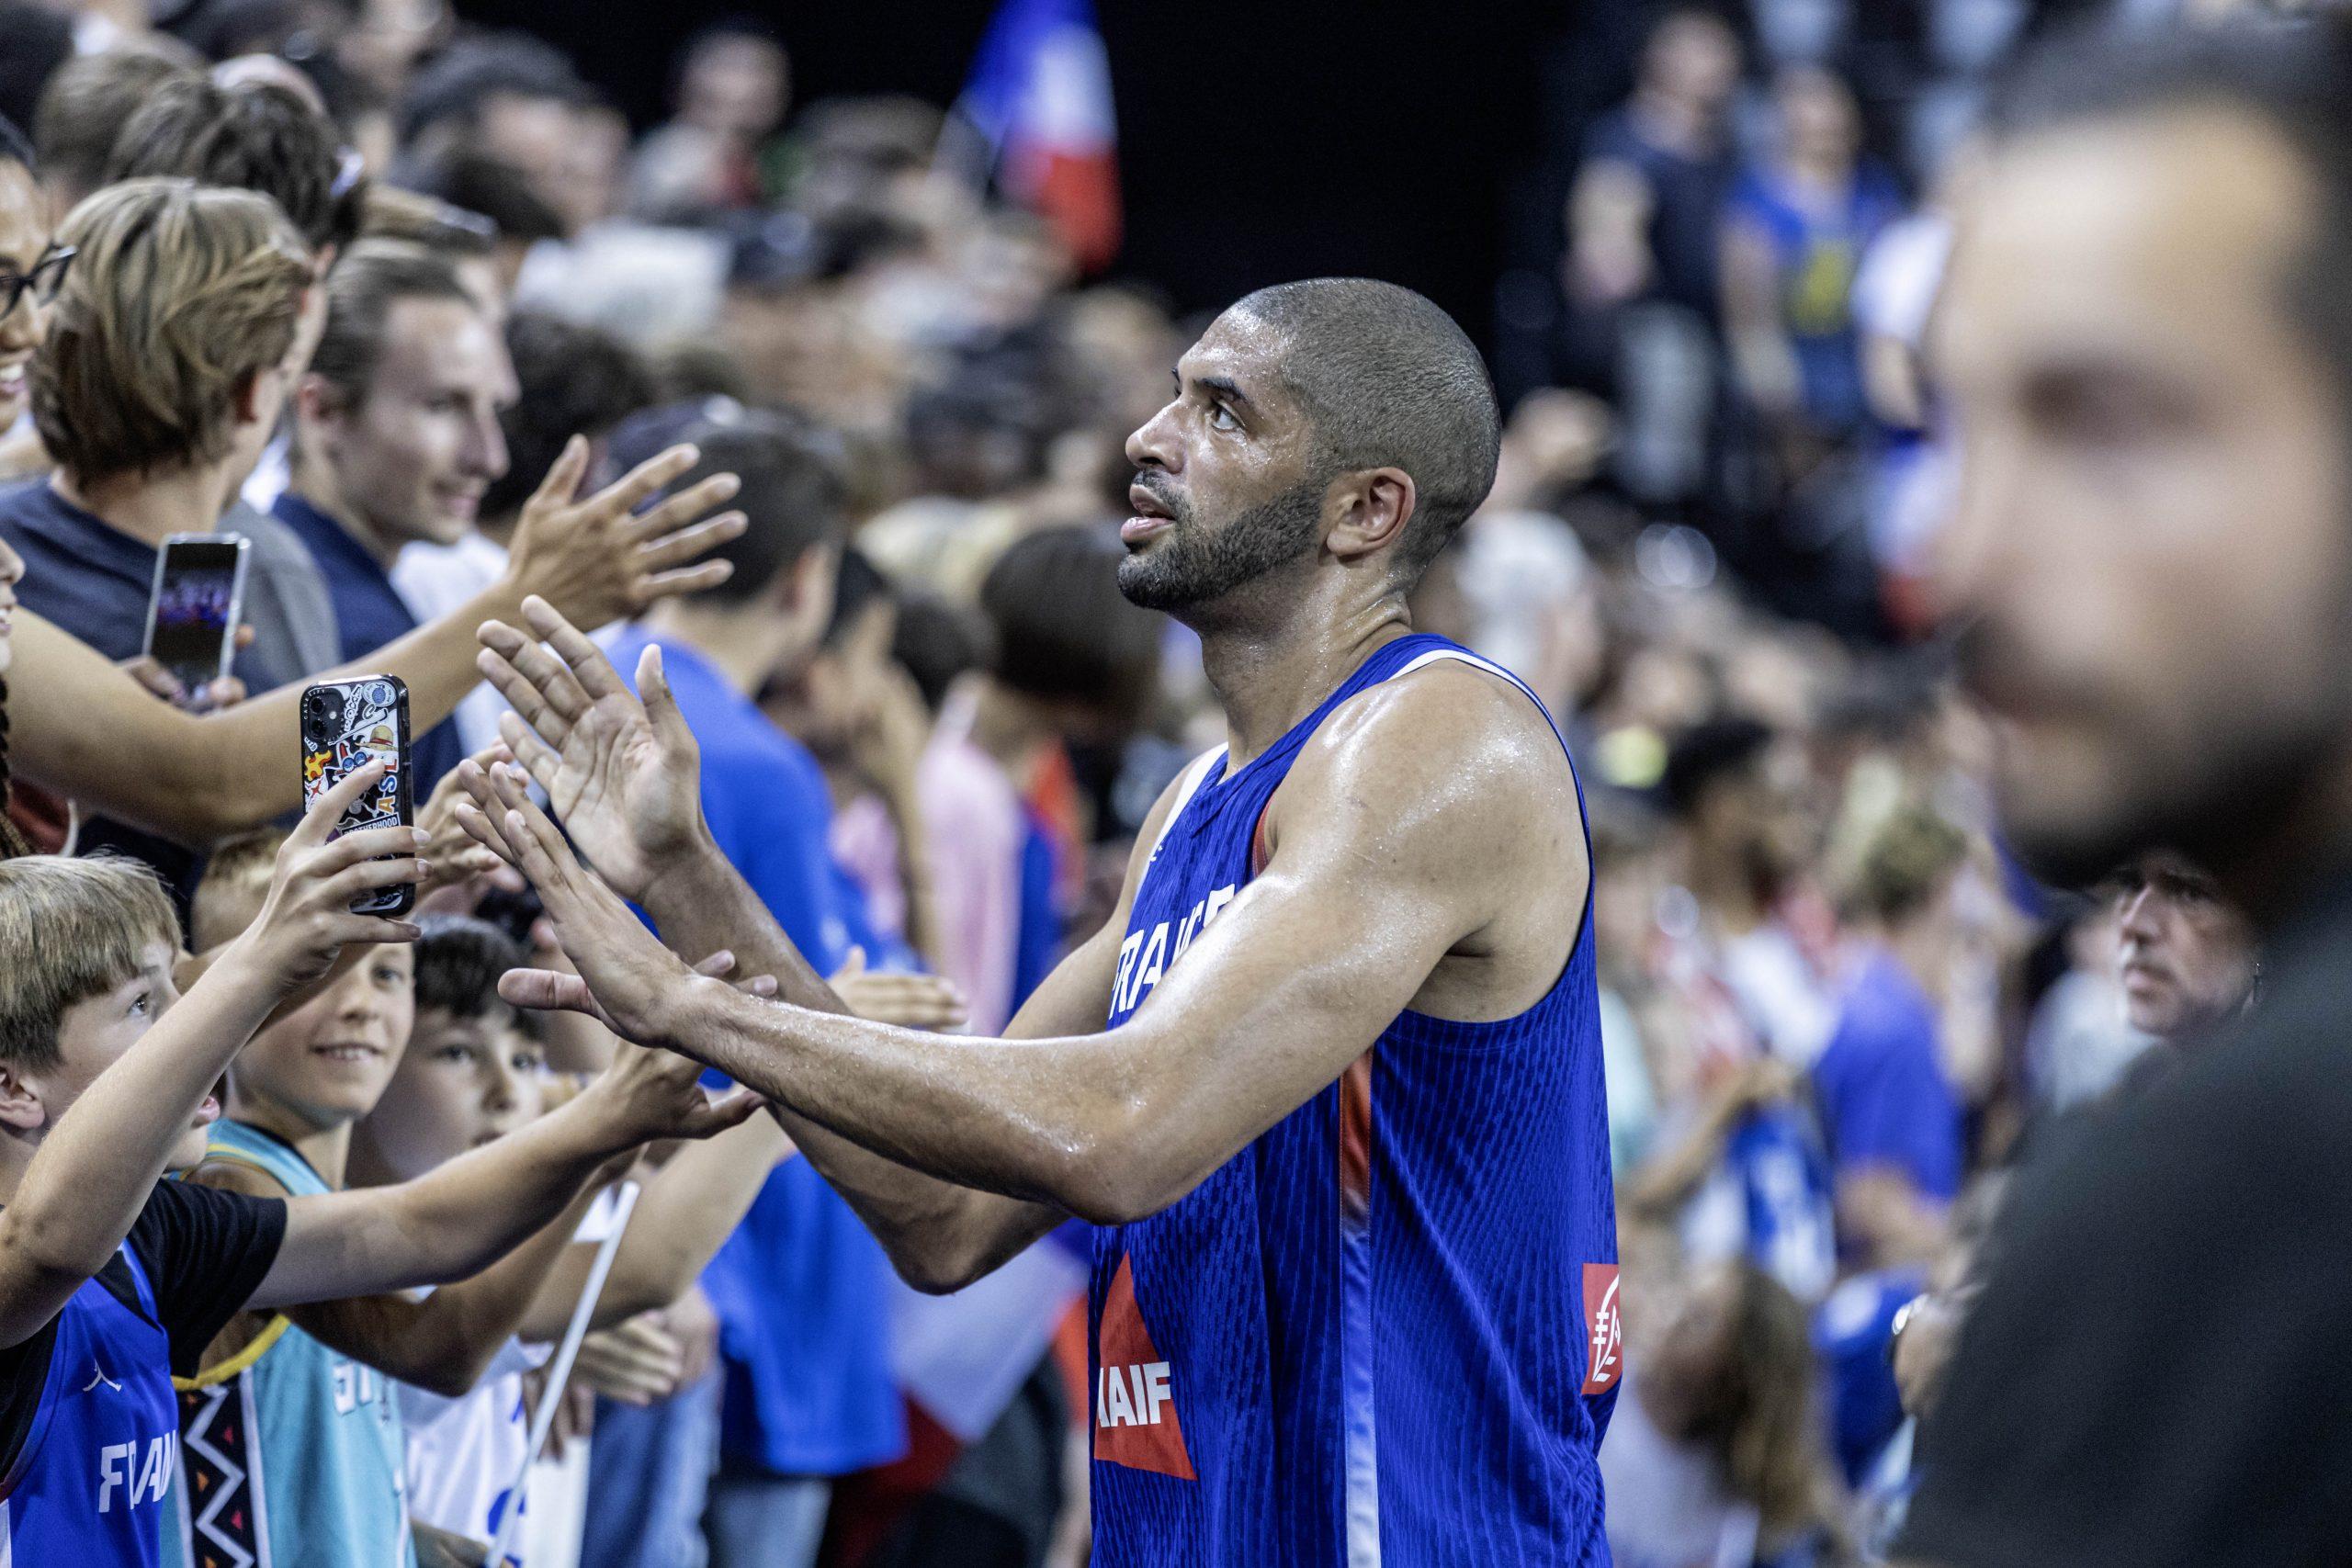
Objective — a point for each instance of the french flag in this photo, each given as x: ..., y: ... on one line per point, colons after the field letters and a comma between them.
x: 1039, y: 98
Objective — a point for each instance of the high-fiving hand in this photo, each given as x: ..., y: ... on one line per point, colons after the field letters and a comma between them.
x: 623, y: 775
x: 626, y: 977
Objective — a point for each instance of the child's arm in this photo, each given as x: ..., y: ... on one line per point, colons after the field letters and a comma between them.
x: 457, y: 1220
x: 445, y: 1341
x: 686, y: 1212
x: 93, y: 1170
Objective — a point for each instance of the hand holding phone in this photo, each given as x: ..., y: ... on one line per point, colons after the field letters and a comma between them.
x: 345, y: 726
x: 194, y: 608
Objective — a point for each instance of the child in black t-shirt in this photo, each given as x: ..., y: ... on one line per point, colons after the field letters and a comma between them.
x: 107, y: 1277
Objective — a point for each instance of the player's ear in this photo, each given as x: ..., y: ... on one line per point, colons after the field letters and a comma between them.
x: 21, y: 1110
x: 1373, y: 507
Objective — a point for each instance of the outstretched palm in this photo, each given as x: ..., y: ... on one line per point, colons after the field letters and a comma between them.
x: 625, y: 973
x: 623, y: 775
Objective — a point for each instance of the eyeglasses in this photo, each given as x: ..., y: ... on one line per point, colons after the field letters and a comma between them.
x: 46, y: 277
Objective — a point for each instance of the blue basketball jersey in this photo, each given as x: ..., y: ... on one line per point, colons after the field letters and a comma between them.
x: 89, y: 1484
x: 294, y: 1453
x: 1387, y: 1327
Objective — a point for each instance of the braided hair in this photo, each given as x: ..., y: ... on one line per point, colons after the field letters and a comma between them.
x: 12, y: 839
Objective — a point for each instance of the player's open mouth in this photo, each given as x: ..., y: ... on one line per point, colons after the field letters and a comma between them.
x: 347, y: 1053
x: 1151, y: 515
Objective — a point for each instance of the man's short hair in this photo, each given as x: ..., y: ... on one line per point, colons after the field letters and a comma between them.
x: 1390, y: 381
x: 503, y: 195
x: 459, y: 960
x: 255, y: 136
x: 70, y: 930
x: 177, y: 295
x: 235, y: 886
x: 85, y: 107
x: 795, y: 493
x: 1062, y: 629
x: 373, y: 276
x: 2292, y: 76
x: 453, y: 89
x: 570, y: 378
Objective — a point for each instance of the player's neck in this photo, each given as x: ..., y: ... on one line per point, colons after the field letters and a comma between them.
x: 150, y: 507
x: 1270, y: 676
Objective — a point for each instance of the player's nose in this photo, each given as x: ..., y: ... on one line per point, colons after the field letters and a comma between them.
x: 1153, y: 444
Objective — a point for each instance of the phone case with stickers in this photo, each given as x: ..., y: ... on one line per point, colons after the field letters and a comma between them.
x: 345, y: 726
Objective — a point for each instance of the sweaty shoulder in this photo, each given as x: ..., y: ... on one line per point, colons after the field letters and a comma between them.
x: 1449, y: 780
x: 1447, y: 735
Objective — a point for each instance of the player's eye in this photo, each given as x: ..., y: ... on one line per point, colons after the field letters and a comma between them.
x: 142, y: 1004
x: 1221, y: 418
x: 454, y: 1054
x: 529, y: 1061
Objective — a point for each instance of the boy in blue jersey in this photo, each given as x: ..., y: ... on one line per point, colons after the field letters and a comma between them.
x: 1329, y: 1083
x: 110, y: 1281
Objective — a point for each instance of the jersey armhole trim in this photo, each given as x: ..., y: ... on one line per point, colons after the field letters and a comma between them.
x: 242, y: 1362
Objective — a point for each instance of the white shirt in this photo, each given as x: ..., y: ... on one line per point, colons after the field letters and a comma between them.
x: 463, y: 1453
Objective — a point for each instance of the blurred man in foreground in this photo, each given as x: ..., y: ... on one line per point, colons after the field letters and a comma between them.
x: 2146, y: 343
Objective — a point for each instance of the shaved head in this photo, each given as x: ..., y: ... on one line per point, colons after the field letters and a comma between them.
x: 1389, y: 381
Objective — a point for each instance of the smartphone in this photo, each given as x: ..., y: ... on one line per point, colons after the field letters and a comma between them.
x: 192, y: 611
x: 345, y: 726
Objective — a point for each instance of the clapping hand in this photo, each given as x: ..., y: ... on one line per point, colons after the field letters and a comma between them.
x: 626, y: 977
x: 623, y: 775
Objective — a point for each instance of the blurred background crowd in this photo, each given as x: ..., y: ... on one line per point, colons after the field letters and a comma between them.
x: 1833, y: 1011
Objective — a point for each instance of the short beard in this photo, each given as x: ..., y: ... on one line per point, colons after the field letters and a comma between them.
x: 1190, y: 568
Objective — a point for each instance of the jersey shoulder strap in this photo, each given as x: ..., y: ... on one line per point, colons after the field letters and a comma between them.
x: 1464, y: 656
x: 1189, y: 784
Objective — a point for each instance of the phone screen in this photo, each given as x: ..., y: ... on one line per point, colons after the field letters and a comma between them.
x: 196, y: 601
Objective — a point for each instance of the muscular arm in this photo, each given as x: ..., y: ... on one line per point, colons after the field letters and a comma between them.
x: 1433, y: 816
x: 940, y: 1235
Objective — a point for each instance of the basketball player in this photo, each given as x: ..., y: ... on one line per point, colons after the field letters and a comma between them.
x: 1330, y: 1081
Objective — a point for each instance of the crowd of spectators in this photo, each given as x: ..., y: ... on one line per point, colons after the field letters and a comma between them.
x: 414, y: 310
